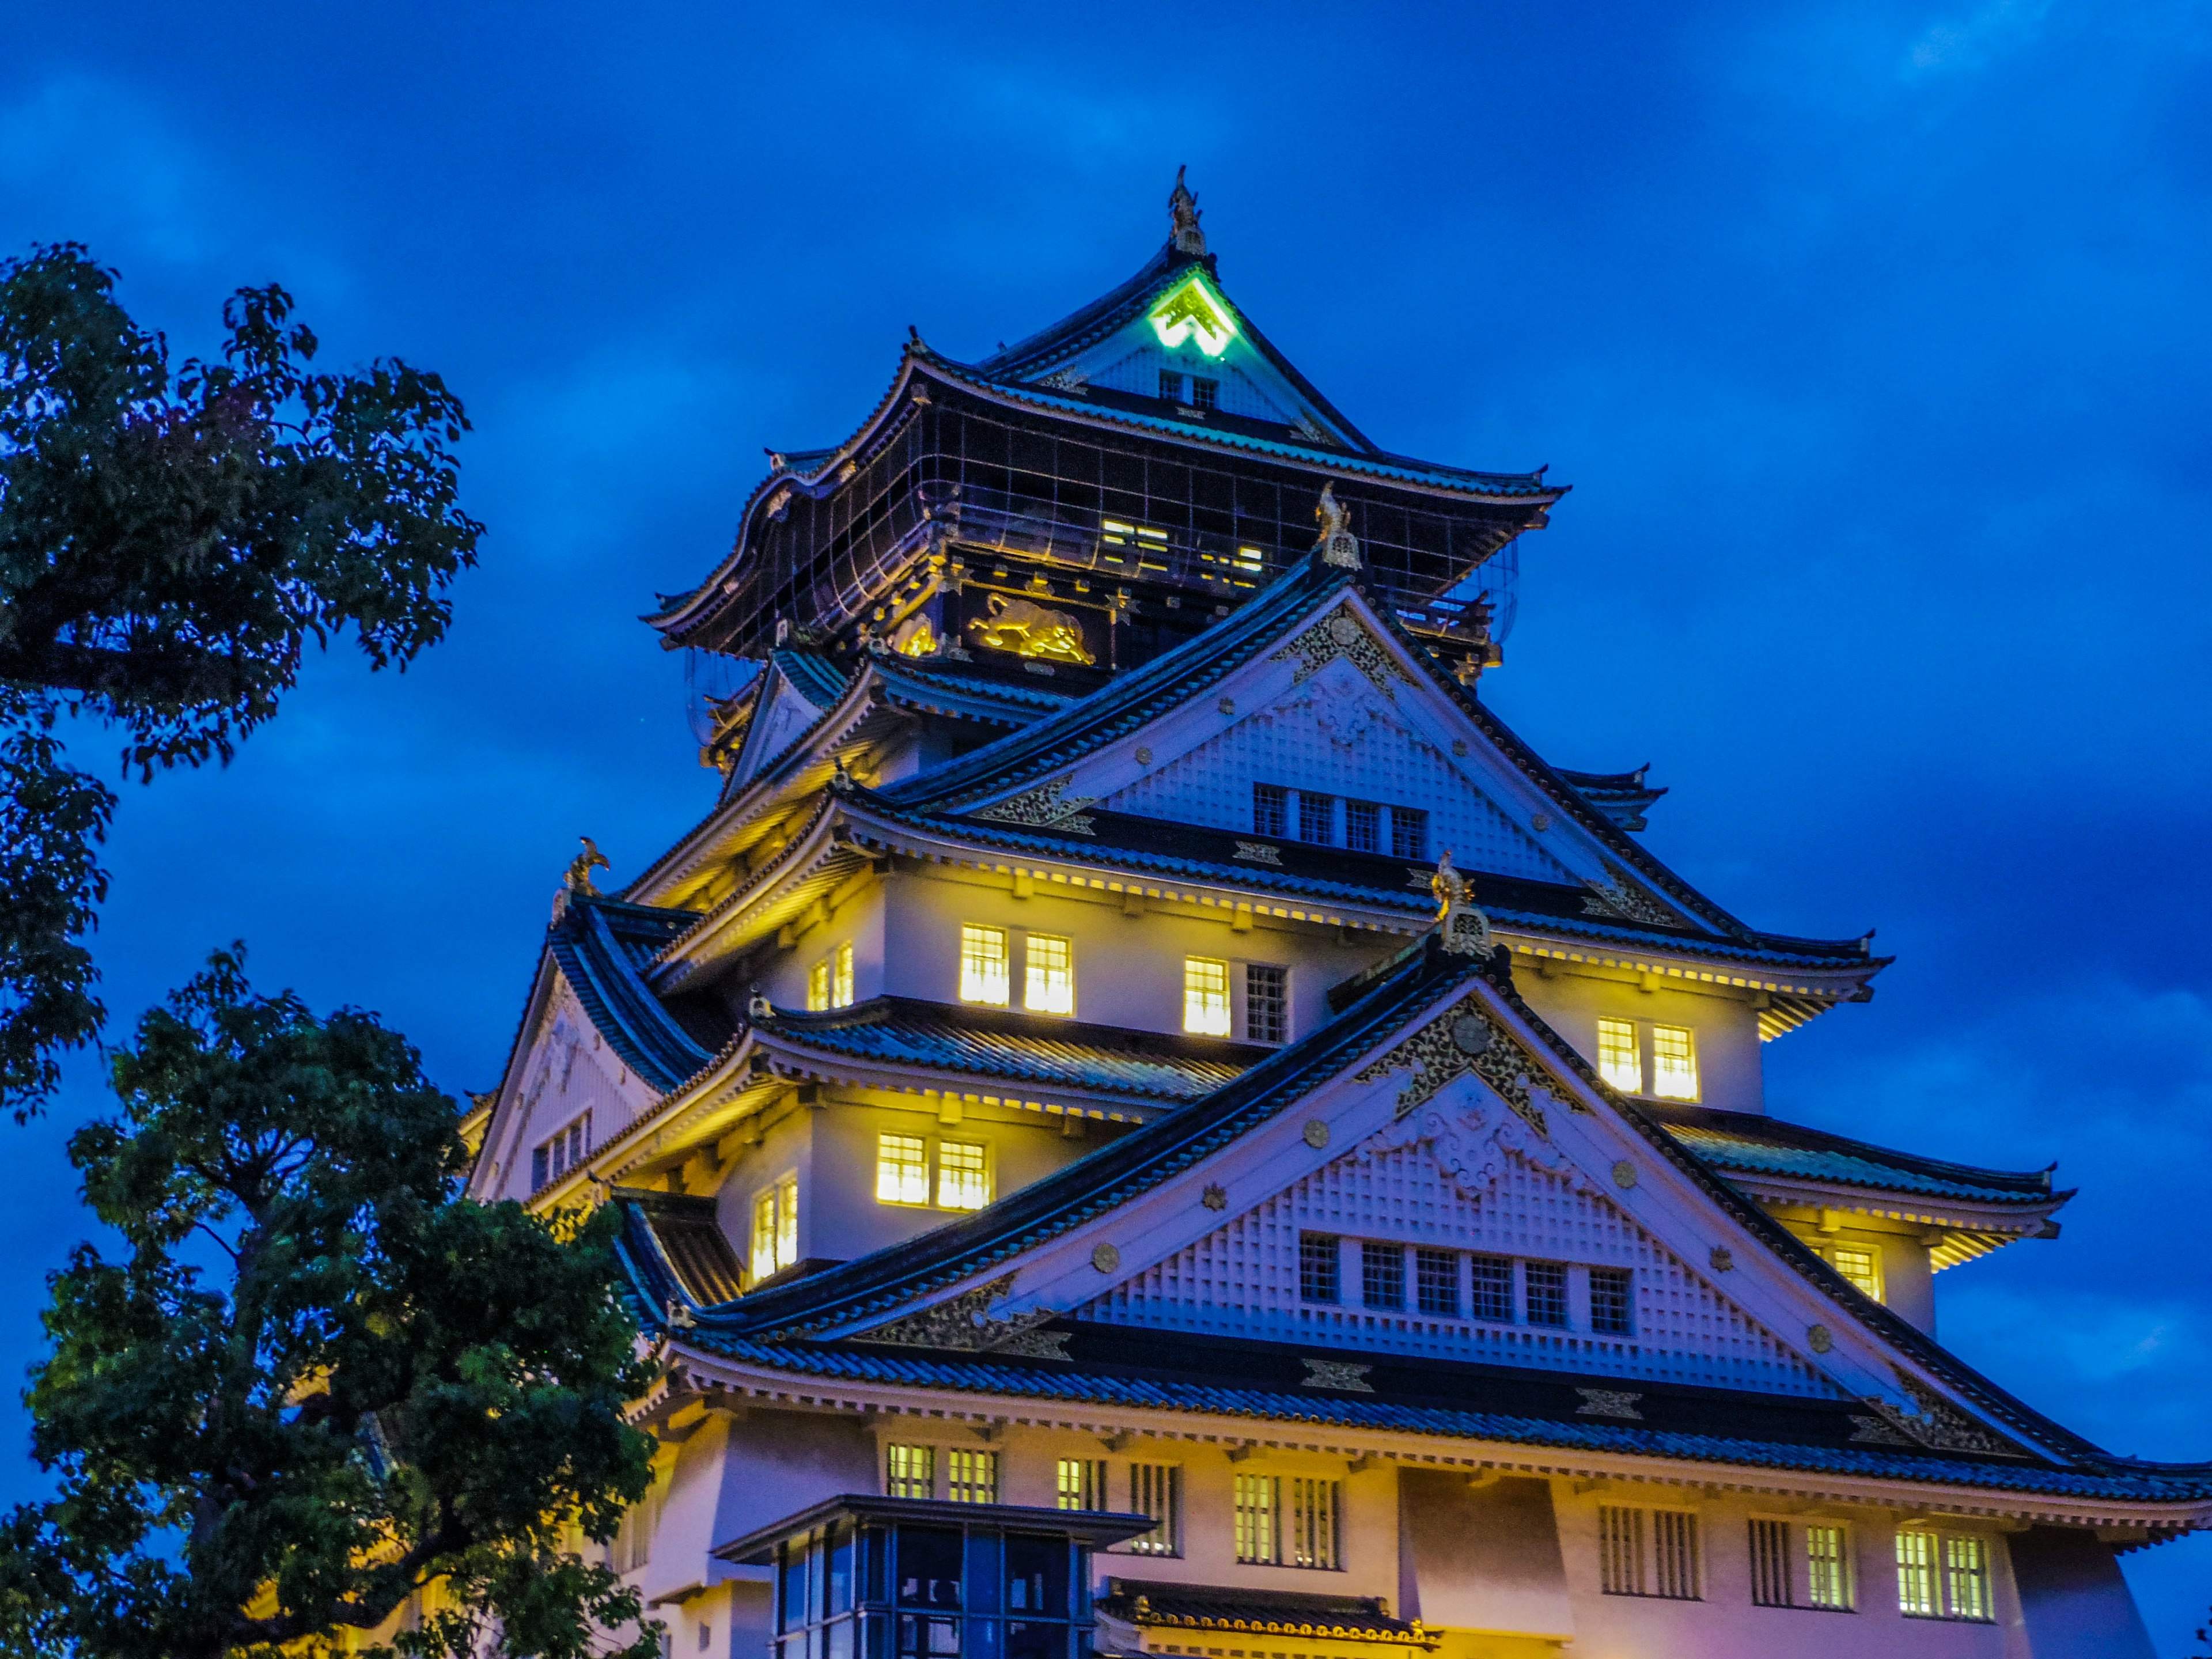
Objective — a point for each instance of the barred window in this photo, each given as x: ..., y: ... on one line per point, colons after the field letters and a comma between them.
x: 1051, y: 986
x: 1258, y: 1499
x: 1916, y: 1596
x: 1492, y: 1279
x: 1317, y: 1267
x: 563, y: 1152
x: 1619, y: 1062
x: 1435, y: 1282
x: 1674, y: 1554
x: 1082, y: 1484
x: 1613, y: 1302
x: 1382, y: 1275
x: 840, y: 976
x: 1270, y: 810
x: 1316, y: 818
x: 1648, y: 1552
x: 1205, y: 996
x: 1942, y: 1574
x: 971, y: 1477
x: 1155, y: 1489
x: 818, y: 986
x: 1267, y: 1003
x: 1620, y: 1550
x: 1674, y: 1062
x: 1771, y: 1575
x: 964, y: 1176
x: 1861, y: 1267
x: 1312, y: 1541
x: 775, y: 1227
x: 910, y: 1471
x: 1966, y: 1578
x: 901, y: 1169
x: 983, y: 965
x: 1547, y: 1292
x: 1363, y: 826
x: 1409, y: 833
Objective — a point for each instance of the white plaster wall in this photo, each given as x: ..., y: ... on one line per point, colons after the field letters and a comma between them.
x: 1727, y: 1026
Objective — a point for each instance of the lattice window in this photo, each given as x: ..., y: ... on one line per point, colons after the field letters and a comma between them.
x: 1545, y: 1283
x: 1206, y: 995
x: 840, y: 976
x: 901, y: 1169
x: 1493, y: 1281
x: 1316, y: 818
x: 1267, y: 1003
x: 1270, y: 810
x: 1205, y: 392
x: 1435, y: 1282
x: 1051, y: 986
x: 910, y: 1471
x: 775, y: 1227
x: 1382, y: 1275
x: 1674, y: 1062
x: 1651, y: 1553
x: 1259, y: 1500
x: 1860, y: 1266
x: 963, y: 1174
x: 1620, y: 1060
x: 1828, y: 1567
x: 1409, y: 833
x: 1613, y: 1301
x: 1172, y: 385
x: 1155, y: 1489
x: 1363, y: 826
x: 1081, y: 1484
x: 971, y: 1476
x: 983, y: 976
x: 1319, y: 1259
x: 1942, y: 1574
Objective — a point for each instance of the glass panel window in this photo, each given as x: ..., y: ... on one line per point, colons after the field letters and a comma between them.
x: 1409, y: 833
x: 1312, y: 1541
x: 1613, y: 1302
x: 1316, y: 818
x: 964, y: 1176
x: 1492, y: 1277
x: 1769, y: 1563
x: 841, y: 977
x: 1318, y: 1268
x: 1050, y: 982
x: 901, y: 1169
x: 971, y: 1477
x: 910, y: 1471
x: 1204, y: 393
x: 1618, y: 1062
x: 1259, y: 1497
x: 1915, y: 1575
x: 1267, y: 1003
x: 983, y: 965
x: 1435, y: 1282
x: 1155, y: 1489
x: 1363, y: 826
x: 1966, y: 1578
x: 1547, y: 1292
x: 1270, y: 810
x: 1382, y: 1275
x: 1828, y: 1567
x: 775, y: 1227
x: 1860, y: 1266
x: 1674, y: 1062
x: 1205, y: 996
x: 1082, y: 1483
x: 1171, y: 385
x: 818, y: 986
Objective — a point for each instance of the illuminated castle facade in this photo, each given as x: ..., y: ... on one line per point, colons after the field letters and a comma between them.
x: 1149, y: 1121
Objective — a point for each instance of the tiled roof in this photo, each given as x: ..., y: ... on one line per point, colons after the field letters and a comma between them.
x: 1751, y: 1144
x: 1274, y: 1613
x: 1033, y: 1047
x: 687, y: 1236
x: 603, y: 948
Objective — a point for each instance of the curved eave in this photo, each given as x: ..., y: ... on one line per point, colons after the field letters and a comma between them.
x: 793, y: 1057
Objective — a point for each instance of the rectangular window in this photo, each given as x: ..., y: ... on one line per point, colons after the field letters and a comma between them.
x: 841, y: 977
x: 1082, y: 1484
x: 910, y: 1471
x: 1673, y: 1063
x: 964, y: 1176
x: 1267, y: 1003
x: 901, y: 1169
x: 1769, y: 1563
x: 1942, y: 1574
x: 1965, y: 1578
x: 1409, y: 833
x: 1270, y: 810
x: 983, y: 965
x: 1172, y: 385
x: 565, y: 1151
x: 1620, y: 1550
x: 1363, y: 826
x: 1317, y: 1267
x: 1613, y: 1304
x: 1861, y: 1267
x: 1205, y: 996
x: 775, y: 1228
x: 1618, y: 1060
x: 1051, y: 986
x: 1382, y: 1275
x: 1915, y: 1575
x: 1316, y: 818
x: 971, y: 1477
x: 818, y: 986
x: 1547, y: 1292
x: 1828, y: 1567
x: 1155, y: 1489
x: 1204, y: 393
x: 1259, y: 1497
x: 1648, y: 1552
x: 1674, y: 1554
x: 1492, y: 1282
x: 1312, y: 1541
x: 1435, y: 1282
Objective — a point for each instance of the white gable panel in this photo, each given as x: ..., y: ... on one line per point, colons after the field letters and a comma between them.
x: 775, y: 728
x: 1138, y: 369
x: 569, y: 1076
x: 1438, y: 1179
x: 1338, y: 734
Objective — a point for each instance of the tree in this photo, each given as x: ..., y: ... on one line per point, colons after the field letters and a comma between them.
x: 169, y: 543
x: 379, y: 1385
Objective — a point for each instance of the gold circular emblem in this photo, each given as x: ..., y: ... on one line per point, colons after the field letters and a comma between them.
x: 1624, y: 1174
x: 1144, y: 758
x: 1105, y: 1258
x: 1820, y: 1339
x: 1343, y: 629
x: 1317, y: 1133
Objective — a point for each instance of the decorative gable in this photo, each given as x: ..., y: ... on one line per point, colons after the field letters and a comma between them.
x: 569, y: 1079
x: 785, y: 714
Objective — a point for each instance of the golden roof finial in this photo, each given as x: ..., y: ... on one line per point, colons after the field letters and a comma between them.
x: 579, y: 880
x: 1182, y: 212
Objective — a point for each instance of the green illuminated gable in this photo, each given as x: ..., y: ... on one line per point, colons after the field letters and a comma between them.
x: 1192, y: 311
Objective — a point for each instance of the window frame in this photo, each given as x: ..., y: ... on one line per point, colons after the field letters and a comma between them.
x: 977, y: 984
x: 1277, y: 1029
x: 981, y: 1172
x: 1161, y: 1484
x: 1621, y: 1069
x: 1653, y: 1551
x: 1315, y: 1249
x: 1944, y: 1575
x: 1682, y: 1082
x: 1199, y: 1003
x: 921, y: 1162
x: 777, y: 1201
x: 1625, y: 1278
x: 1037, y: 990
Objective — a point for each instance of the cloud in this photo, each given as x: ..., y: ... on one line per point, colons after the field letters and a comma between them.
x: 1962, y: 46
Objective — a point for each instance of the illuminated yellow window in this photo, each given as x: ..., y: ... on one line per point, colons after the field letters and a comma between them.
x: 910, y: 1471
x: 1051, y: 984
x: 818, y: 987
x: 983, y: 965
x: 1862, y: 1266
x: 901, y: 1169
x: 964, y: 1176
x: 1673, y: 1063
x: 972, y: 1477
x: 1618, y: 1060
x: 1206, y: 995
x: 775, y: 1227
x: 841, y: 977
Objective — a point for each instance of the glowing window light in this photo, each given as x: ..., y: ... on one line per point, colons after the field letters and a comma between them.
x: 983, y: 976
x: 841, y: 977
x: 1618, y: 1062
x: 1673, y: 1063
x: 901, y: 1169
x: 1192, y: 311
x: 964, y: 1176
x: 818, y: 986
x: 775, y: 1228
x: 1206, y: 995
x: 1050, y: 988
x: 1861, y: 1267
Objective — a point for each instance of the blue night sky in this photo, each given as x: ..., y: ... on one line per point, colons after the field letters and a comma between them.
x: 1871, y: 337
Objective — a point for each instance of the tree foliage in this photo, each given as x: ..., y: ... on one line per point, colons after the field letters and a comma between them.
x: 169, y: 543
x: 379, y: 1385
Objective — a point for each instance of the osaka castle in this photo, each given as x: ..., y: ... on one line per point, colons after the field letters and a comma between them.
x: 1147, y: 1121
